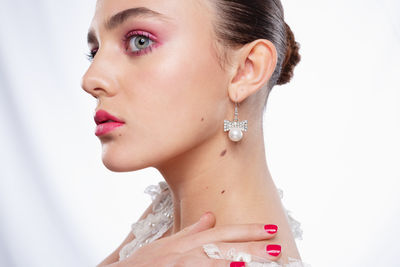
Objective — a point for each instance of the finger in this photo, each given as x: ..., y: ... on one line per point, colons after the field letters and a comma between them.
x: 247, y: 252
x: 233, y: 233
x: 206, y: 221
x: 260, y: 251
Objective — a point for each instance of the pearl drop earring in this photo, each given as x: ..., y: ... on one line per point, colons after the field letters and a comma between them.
x: 235, y: 127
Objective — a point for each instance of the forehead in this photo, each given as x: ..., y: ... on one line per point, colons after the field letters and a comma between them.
x: 178, y: 10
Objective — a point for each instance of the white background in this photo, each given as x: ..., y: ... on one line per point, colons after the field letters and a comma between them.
x: 332, y: 138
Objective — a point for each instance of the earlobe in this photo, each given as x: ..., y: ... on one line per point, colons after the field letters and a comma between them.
x: 256, y: 63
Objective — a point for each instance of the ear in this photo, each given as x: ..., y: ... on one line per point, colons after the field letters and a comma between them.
x: 255, y: 64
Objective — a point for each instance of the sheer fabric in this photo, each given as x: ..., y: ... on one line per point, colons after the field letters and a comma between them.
x: 161, y: 219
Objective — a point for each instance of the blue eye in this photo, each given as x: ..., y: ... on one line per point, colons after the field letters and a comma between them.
x: 136, y: 42
x: 139, y: 42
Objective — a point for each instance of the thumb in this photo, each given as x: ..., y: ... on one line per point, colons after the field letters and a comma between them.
x: 206, y: 221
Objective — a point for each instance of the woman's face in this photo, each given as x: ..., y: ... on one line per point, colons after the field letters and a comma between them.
x: 160, y: 75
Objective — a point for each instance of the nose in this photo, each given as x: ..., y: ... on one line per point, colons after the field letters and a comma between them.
x: 98, y: 80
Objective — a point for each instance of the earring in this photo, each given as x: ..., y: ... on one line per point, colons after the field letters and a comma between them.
x: 235, y: 127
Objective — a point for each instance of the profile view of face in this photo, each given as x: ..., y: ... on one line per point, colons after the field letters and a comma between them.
x: 155, y: 68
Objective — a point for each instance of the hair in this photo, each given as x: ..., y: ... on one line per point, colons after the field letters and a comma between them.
x: 239, y: 22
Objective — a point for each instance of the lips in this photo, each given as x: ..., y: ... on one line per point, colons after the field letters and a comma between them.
x: 103, y: 116
x: 106, y: 122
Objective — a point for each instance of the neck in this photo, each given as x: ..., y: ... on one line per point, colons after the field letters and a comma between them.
x: 230, y: 179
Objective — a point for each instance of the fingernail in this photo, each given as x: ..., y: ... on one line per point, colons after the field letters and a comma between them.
x: 274, y: 250
x: 271, y: 228
x: 238, y: 264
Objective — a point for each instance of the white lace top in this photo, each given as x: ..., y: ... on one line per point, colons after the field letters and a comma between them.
x: 161, y: 219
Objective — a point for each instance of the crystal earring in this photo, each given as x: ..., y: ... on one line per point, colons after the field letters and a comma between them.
x: 235, y: 127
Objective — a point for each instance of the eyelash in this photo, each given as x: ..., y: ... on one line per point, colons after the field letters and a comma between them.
x: 127, y: 38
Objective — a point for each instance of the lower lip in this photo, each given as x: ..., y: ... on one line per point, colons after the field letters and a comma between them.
x: 107, y: 127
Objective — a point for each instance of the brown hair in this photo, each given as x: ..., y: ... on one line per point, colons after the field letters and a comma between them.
x: 240, y: 22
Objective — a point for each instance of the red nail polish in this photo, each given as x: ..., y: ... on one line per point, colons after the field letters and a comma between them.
x: 238, y: 264
x: 271, y: 228
x: 274, y: 250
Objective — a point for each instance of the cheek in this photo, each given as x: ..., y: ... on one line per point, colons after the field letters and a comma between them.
x: 184, y: 86
x: 175, y: 97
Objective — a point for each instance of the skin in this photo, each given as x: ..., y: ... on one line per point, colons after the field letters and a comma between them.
x: 174, y: 100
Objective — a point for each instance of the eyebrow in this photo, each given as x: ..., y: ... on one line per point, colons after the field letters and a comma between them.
x: 124, y: 15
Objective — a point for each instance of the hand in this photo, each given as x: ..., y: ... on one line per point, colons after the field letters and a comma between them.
x: 185, y: 247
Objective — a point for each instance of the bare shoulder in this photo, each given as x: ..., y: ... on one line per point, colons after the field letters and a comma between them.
x: 114, y: 256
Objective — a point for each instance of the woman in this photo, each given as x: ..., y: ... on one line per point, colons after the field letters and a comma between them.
x: 182, y: 87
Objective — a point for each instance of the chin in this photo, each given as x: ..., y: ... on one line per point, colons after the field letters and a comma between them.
x: 115, y: 167
x: 117, y: 161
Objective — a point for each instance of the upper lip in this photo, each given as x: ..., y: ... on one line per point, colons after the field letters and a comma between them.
x: 103, y: 116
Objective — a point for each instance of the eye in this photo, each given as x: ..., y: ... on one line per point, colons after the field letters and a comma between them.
x: 91, y: 54
x: 139, y: 42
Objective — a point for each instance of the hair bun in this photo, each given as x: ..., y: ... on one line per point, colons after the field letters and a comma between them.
x: 291, y: 59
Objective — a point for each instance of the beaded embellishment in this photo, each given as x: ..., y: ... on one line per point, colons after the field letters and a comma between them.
x: 157, y: 223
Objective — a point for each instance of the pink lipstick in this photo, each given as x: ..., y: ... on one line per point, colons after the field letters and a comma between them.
x: 106, y: 122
